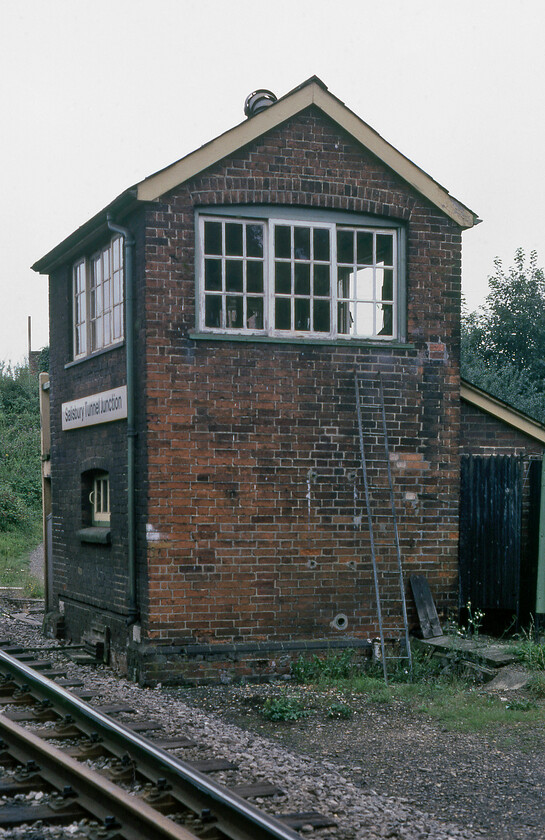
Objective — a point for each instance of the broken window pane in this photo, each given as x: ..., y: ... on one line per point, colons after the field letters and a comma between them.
x: 385, y: 284
x: 385, y: 319
x: 385, y: 249
x: 364, y: 284
x: 364, y: 319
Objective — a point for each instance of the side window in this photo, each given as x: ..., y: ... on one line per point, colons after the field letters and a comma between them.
x: 99, y: 498
x: 95, y: 499
x: 97, y: 300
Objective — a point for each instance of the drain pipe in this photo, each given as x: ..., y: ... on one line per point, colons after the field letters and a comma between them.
x: 128, y: 261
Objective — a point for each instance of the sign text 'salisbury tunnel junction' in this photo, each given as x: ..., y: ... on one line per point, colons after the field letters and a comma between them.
x: 95, y: 408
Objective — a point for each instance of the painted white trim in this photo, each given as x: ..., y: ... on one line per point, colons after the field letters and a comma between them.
x: 231, y: 141
x: 501, y: 411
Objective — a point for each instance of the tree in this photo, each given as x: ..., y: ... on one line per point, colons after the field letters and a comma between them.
x: 20, y: 477
x: 503, y: 343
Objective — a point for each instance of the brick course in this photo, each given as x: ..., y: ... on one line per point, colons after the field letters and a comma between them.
x: 236, y: 542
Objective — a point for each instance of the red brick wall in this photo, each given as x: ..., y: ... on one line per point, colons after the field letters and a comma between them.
x: 482, y: 434
x: 233, y: 427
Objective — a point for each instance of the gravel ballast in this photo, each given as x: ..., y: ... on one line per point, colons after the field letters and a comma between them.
x: 379, y: 774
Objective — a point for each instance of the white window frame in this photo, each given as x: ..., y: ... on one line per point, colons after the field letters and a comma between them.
x: 98, y: 300
x: 99, y: 497
x: 332, y: 222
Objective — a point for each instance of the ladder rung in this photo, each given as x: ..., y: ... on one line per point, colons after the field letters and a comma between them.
x: 378, y: 493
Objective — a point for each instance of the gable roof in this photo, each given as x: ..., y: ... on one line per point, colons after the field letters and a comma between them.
x: 312, y: 92
x: 502, y: 411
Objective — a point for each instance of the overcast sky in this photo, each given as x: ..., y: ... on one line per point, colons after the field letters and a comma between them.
x: 97, y: 95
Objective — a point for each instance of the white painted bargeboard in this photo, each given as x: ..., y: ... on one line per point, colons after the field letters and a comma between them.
x: 96, y: 408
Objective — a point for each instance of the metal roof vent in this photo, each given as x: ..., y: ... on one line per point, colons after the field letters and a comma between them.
x: 258, y: 101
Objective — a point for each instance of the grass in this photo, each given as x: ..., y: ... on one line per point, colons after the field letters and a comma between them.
x: 529, y: 651
x: 453, y: 701
x: 15, y: 547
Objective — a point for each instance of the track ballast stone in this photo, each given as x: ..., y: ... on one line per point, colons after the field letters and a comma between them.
x: 309, y: 785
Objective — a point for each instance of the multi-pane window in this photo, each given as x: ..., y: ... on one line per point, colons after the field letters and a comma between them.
x: 234, y: 275
x: 100, y: 499
x: 365, y: 282
x: 278, y: 277
x: 98, y: 299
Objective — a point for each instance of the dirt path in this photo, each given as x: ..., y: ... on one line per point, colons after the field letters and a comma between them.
x: 492, y: 782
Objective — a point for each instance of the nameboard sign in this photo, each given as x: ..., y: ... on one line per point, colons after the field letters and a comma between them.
x: 96, y: 408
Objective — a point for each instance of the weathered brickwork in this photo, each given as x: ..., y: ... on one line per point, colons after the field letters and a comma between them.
x: 483, y: 434
x: 90, y: 581
x: 249, y: 488
x: 235, y: 427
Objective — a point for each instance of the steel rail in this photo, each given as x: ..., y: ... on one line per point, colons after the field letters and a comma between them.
x: 95, y: 794
x: 233, y: 815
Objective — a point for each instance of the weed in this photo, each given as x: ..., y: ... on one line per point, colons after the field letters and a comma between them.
x: 529, y: 651
x: 536, y: 686
x: 333, y: 667
x: 474, y: 622
x: 339, y: 710
x: 520, y: 706
x: 284, y: 708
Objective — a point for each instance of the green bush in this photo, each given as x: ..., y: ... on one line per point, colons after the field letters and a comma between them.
x: 12, y: 509
x: 20, y: 474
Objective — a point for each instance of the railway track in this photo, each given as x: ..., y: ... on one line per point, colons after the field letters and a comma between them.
x: 88, y: 767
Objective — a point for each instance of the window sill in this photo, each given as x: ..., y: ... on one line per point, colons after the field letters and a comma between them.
x: 95, y: 354
x: 97, y: 535
x: 396, y: 344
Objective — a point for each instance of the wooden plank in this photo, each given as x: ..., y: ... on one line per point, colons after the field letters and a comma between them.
x: 141, y: 725
x: 313, y: 818
x: 427, y: 614
x: 32, y: 714
x: 173, y: 743
x: 258, y: 789
x: 212, y: 765
x: 115, y: 709
x: 16, y: 815
x: 13, y: 787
